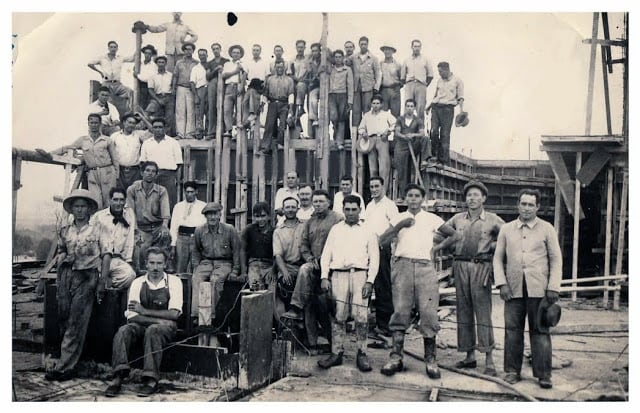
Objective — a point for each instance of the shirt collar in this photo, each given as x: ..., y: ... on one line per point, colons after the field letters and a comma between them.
x: 154, y: 187
x: 165, y: 277
x: 340, y: 68
x: 208, y: 229
x: 530, y: 224
x: 483, y: 216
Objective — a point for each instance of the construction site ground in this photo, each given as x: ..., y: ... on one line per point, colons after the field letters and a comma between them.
x: 589, y: 364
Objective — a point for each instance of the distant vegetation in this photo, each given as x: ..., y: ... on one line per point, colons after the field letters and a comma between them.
x: 34, y: 242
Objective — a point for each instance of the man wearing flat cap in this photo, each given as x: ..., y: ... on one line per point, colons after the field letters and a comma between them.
x: 185, y: 99
x: 78, y: 263
x: 148, y: 68
x: 390, y: 87
x: 527, y: 266
x: 176, y: 37
x: 473, y: 271
x: 215, y: 255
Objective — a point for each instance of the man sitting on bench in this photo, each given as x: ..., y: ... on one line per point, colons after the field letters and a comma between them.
x: 155, y: 303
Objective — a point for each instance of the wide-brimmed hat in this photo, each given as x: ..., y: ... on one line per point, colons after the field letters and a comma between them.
x: 388, y: 47
x: 184, y: 45
x: 150, y: 48
x: 462, y: 119
x: 212, y: 207
x: 79, y: 194
x: 548, y: 315
x: 475, y: 184
x: 237, y: 46
x: 364, y: 144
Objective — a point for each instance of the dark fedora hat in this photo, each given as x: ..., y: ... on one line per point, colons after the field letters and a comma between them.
x: 548, y: 315
x: 462, y: 119
x: 149, y: 48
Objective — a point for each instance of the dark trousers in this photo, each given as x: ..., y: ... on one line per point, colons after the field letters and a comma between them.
x: 391, y: 99
x: 184, y: 244
x: 516, y: 311
x: 473, y: 304
x: 212, y: 107
x: 75, y: 296
x: 382, y: 286
x: 165, y: 108
x: 128, y: 175
x: 156, y: 237
x: 169, y: 179
x: 144, y: 94
x: 402, y: 159
x: 276, y: 122
x: 307, y: 297
x: 338, y: 115
x: 441, y: 122
x: 361, y: 105
x: 156, y: 337
x: 230, y: 105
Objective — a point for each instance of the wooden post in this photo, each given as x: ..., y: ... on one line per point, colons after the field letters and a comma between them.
x: 354, y: 161
x: 607, y: 235
x: 17, y: 171
x: 592, y: 73
x: 605, y: 78
x: 187, y: 170
x: 136, y: 66
x: 557, y: 208
x: 360, y: 168
x: 204, y: 311
x: 238, y: 175
x: 622, y: 228
x: 576, y: 227
x: 322, y: 137
x: 244, y: 172
x: 209, y: 171
x: 218, y: 153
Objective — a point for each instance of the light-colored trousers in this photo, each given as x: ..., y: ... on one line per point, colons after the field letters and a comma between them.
x: 185, y: 113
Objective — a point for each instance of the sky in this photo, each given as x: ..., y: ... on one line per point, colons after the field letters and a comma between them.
x: 525, y: 74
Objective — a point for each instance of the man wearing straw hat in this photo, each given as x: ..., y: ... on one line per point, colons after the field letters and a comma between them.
x: 78, y: 263
x: 185, y: 99
x: 391, y: 84
x: 233, y: 73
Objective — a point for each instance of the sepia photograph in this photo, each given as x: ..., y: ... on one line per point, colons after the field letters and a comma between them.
x: 320, y: 206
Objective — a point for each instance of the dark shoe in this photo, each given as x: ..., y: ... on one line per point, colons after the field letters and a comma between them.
x: 511, y: 378
x: 490, y: 371
x: 112, y: 390
x: 56, y: 375
x: 293, y: 314
x: 466, y: 364
x: 332, y: 360
x: 431, y: 365
x: 392, y: 367
x: 147, y: 389
x: 545, y: 383
x: 362, y: 361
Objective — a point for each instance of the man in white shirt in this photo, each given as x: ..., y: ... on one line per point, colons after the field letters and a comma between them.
x: 416, y: 75
x: 414, y: 279
x: 349, y: 264
x: 176, y: 37
x: 198, y: 82
x: 162, y: 96
x: 233, y: 73
x: 186, y: 217
x: 305, y: 194
x: 377, y: 125
x: 278, y: 51
x: 257, y: 71
x: 380, y: 212
x: 289, y: 190
x: 110, y: 71
x: 109, y: 116
x: 166, y: 152
x: 127, y: 144
x: 155, y: 303
x: 148, y: 68
x: 346, y: 188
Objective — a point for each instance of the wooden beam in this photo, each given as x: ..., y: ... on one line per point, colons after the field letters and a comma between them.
x: 622, y: 229
x: 33, y: 156
x: 217, y: 188
x: 576, y: 227
x: 584, y: 147
x: 605, y: 81
x: 603, y: 42
x: 136, y: 68
x: 592, y: 73
x: 592, y: 167
x: 592, y: 279
x: 564, y: 180
x: 323, y: 127
x: 608, y: 234
x: 209, y: 172
x: 255, y: 352
x: 557, y: 209
x: 547, y: 139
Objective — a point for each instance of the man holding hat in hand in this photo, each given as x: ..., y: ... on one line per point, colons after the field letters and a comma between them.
x: 527, y: 266
x: 391, y: 83
x: 472, y: 270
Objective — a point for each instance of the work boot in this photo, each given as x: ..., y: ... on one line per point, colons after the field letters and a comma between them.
x: 395, y: 364
x: 294, y: 313
x: 430, y: 358
x: 362, y: 361
x: 333, y: 360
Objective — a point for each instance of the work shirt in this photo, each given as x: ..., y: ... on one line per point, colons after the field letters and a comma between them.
x: 377, y: 123
x: 341, y: 81
x: 338, y: 199
x: 312, y: 74
x: 198, y: 76
x: 299, y: 66
x: 416, y: 68
x: 366, y: 72
x: 287, y: 67
x: 316, y: 230
x: 149, y: 208
x: 161, y: 82
x: 111, y: 118
x: 111, y: 68
x: 127, y: 147
x: 416, y: 241
x: 287, y: 240
x: 170, y: 281
x: 448, y: 91
x: 379, y: 215
x: 147, y: 70
x: 304, y: 214
x: 230, y: 67
x: 257, y: 242
x: 166, y: 153
x: 224, y: 244
x: 175, y: 37
x: 186, y: 214
x: 115, y: 239
x: 182, y: 71
x: 279, y: 87
x: 257, y: 69
x: 478, y: 236
x: 95, y: 153
x: 81, y: 245
x: 391, y: 72
x: 407, y: 125
x: 350, y: 247
x: 212, y: 64
x: 532, y: 254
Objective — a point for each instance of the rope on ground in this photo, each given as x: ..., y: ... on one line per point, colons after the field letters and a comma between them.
x: 478, y: 376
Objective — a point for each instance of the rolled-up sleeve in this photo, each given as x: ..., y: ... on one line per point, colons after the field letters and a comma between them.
x: 175, y: 293
x: 498, y: 258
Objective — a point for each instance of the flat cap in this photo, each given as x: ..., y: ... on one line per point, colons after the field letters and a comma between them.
x: 475, y: 184
x: 211, y: 207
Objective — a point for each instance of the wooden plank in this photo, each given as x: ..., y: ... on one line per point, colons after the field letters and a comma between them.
x: 200, y: 361
x: 218, y: 152
x: 576, y: 228
x: 608, y: 234
x: 238, y: 172
x: 136, y: 68
x: 204, y: 311
x: 613, y: 148
x: 622, y: 228
x: 566, y: 184
x: 589, y: 328
x: 592, y: 279
x: 557, y: 210
x: 187, y: 173
x: 587, y: 138
x: 33, y: 156
x: 323, y: 127
x: 592, y: 167
x: 256, y: 319
x: 605, y: 81
x: 210, y: 177
x: 604, y: 42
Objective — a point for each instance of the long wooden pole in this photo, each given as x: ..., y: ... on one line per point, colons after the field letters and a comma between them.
x: 136, y: 67
x: 576, y: 226
x: 622, y: 227
x: 592, y: 73
x: 608, y: 234
x: 218, y: 152
x: 322, y: 138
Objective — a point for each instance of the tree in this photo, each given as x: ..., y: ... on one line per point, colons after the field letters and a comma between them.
x: 42, y: 250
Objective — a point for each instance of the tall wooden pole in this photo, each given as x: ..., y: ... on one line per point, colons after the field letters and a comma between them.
x: 322, y: 137
x: 576, y: 227
x: 622, y: 228
x: 592, y: 73
x: 218, y: 152
x: 139, y: 30
x: 608, y: 234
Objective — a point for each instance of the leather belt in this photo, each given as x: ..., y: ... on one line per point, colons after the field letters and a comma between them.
x: 475, y: 260
x: 95, y: 168
x: 351, y: 270
x: 283, y: 100
x: 415, y: 260
x: 184, y: 230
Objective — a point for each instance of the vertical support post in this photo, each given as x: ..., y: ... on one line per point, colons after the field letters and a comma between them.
x: 605, y: 78
x: 17, y: 171
x: 608, y: 235
x: 204, y: 311
x: 244, y: 171
x: 354, y: 161
x: 187, y: 170
x: 218, y: 153
x: 622, y: 229
x: 592, y: 73
x: 238, y: 175
x: 322, y: 137
x: 576, y: 229
x: 136, y: 68
x: 209, y: 171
